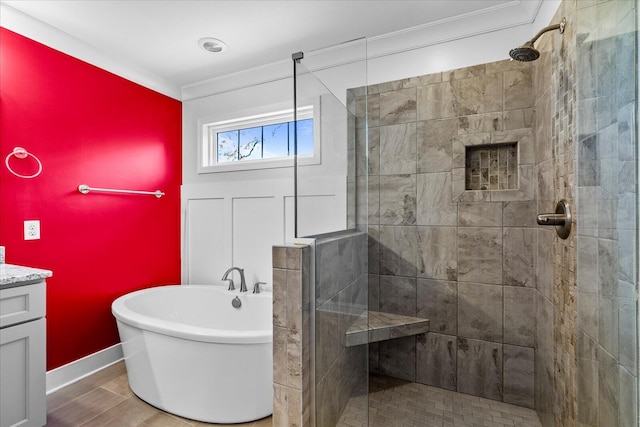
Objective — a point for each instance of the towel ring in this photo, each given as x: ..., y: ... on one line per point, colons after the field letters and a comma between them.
x: 21, y: 153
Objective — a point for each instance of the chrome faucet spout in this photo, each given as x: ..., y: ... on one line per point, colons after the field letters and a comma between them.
x: 243, y: 283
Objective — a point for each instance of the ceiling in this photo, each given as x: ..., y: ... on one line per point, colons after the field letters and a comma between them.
x: 160, y: 36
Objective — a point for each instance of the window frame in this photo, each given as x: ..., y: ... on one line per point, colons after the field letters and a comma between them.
x: 208, y: 128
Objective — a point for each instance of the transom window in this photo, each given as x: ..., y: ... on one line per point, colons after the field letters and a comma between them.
x: 257, y: 142
x: 263, y: 142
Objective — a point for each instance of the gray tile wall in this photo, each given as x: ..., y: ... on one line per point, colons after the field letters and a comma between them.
x: 341, y: 298
x: 291, y: 336
x: 554, y: 77
x: 464, y: 259
x: 607, y: 208
x: 586, y: 339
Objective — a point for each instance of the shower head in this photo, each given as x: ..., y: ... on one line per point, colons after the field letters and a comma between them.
x: 527, y: 52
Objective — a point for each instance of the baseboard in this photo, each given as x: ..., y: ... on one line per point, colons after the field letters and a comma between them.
x: 78, y: 369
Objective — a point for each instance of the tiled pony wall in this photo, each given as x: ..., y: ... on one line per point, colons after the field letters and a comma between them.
x: 291, y: 336
x: 440, y: 249
x: 340, y: 299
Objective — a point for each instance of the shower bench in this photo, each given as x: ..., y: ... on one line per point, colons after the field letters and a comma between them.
x: 379, y: 326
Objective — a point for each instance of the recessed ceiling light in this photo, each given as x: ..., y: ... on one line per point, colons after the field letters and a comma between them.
x: 212, y: 45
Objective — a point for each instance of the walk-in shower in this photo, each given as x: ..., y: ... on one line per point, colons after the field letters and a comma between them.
x: 438, y: 179
x: 527, y: 52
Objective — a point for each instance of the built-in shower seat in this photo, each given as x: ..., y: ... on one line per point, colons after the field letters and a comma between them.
x: 380, y: 326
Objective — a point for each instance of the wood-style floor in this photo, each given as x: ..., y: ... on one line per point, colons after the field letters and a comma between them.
x: 105, y: 399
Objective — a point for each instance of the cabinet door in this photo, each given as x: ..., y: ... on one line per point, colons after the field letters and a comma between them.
x: 23, y: 400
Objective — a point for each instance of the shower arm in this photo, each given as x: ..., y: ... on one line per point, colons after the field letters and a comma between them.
x: 559, y: 26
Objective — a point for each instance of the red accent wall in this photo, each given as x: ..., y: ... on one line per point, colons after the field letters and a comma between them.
x: 87, y: 126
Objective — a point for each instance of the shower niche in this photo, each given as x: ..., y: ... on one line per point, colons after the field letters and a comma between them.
x: 491, y: 167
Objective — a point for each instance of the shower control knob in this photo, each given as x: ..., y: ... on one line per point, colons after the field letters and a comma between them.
x: 236, y: 303
x: 561, y: 219
x: 551, y: 219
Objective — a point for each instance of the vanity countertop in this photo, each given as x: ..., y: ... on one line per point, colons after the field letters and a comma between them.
x: 15, y: 275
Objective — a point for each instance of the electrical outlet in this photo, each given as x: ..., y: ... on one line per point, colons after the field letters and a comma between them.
x: 32, y: 230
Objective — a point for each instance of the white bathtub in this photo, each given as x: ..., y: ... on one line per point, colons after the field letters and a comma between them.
x: 190, y: 353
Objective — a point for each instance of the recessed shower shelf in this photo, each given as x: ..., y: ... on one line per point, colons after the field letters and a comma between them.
x: 379, y: 326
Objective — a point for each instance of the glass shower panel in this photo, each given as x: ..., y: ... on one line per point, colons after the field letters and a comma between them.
x: 607, y: 211
x: 326, y: 187
x: 326, y: 172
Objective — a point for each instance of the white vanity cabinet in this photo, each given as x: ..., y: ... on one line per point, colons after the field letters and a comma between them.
x: 22, y: 355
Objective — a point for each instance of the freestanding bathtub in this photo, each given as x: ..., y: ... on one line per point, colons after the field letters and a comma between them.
x: 189, y: 352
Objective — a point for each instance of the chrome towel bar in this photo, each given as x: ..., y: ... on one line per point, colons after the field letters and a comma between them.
x: 85, y: 189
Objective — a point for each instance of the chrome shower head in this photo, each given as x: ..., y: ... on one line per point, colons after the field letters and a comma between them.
x: 527, y: 52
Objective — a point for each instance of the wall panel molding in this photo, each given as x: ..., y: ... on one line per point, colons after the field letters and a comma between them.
x: 214, y: 237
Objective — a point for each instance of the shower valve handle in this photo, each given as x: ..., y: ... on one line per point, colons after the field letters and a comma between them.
x: 561, y: 219
x: 551, y: 219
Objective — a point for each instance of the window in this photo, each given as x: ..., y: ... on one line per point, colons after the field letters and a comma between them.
x: 259, y: 141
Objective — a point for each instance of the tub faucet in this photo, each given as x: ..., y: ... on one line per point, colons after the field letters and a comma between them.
x: 243, y: 284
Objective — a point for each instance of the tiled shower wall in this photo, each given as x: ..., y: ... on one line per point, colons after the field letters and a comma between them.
x: 607, y: 202
x: 555, y: 130
x: 464, y: 259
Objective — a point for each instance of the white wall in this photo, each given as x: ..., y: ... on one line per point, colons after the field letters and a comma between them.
x: 234, y: 218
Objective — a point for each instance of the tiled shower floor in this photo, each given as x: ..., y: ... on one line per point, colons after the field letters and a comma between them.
x: 398, y: 403
x: 104, y: 399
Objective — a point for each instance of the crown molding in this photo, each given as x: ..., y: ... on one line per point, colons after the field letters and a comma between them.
x: 511, y: 19
x: 458, y: 27
x: 41, y: 32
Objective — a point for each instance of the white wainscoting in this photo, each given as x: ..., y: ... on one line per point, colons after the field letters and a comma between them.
x: 237, y: 223
x: 258, y: 222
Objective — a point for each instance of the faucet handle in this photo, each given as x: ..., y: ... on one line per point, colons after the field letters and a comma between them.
x: 256, y: 287
x: 231, y: 287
